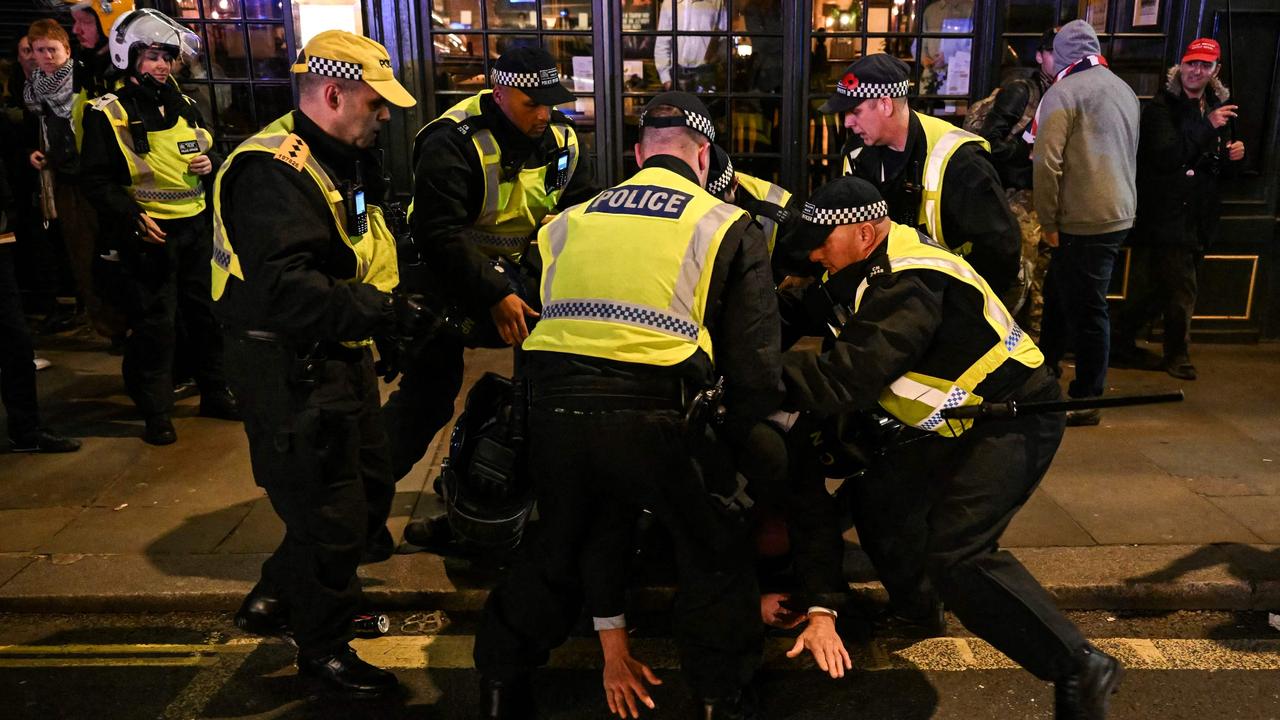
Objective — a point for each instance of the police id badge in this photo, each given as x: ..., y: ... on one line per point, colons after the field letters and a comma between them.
x: 188, y: 147
x: 558, y: 171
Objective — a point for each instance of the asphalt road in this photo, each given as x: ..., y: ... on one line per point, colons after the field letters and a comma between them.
x: 108, y: 667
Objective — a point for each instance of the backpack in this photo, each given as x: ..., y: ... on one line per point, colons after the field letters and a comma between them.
x: 977, y: 115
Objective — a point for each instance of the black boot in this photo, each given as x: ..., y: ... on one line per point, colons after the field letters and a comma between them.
x: 159, y: 431
x: 1085, y: 693
x: 506, y: 699
x: 219, y: 404
x: 345, y: 672
x: 263, y: 614
x: 913, y: 625
x: 739, y: 706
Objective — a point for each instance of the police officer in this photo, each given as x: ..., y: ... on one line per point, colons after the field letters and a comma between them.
x: 913, y: 329
x: 768, y: 203
x: 303, y: 266
x: 649, y: 291
x: 487, y: 172
x: 146, y: 158
x: 934, y: 175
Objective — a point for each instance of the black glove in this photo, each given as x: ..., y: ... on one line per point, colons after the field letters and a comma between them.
x: 415, y: 323
x: 389, y: 358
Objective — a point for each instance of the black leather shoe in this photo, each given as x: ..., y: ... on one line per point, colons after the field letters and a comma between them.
x: 1084, y: 418
x: 1085, y: 693
x: 160, y: 431
x: 910, y: 626
x: 433, y: 535
x: 380, y: 547
x: 739, y: 706
x: 345, y: 672
x: 1182, y: 370
x: 43, y: 441
x: 221, y: 405
x: 506, y: 699
x: 262, y: 614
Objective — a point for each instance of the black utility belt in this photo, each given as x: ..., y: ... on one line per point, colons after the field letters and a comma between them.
x: 612, y: 394
x: 318, y: 351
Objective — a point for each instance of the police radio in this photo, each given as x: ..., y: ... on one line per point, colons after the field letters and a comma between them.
x: 558, y: 171
x: 357, y: 213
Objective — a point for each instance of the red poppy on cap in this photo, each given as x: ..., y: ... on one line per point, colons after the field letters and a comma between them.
x: 849, y: 81
x: 1205, y: 49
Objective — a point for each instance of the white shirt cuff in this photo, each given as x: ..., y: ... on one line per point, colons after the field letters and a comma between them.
x: 617, y: 622
x: 823, y: 610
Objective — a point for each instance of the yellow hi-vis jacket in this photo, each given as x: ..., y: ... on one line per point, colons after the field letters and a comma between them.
x: 626, y: 274
x: 918, y: 399
x: 513, y: 208
x: 942, y: 140
x: 163, y: 185
x: 768, y: 192
x: 375, y: 250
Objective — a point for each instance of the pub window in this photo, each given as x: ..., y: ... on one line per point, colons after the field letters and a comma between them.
x: 241, y: 79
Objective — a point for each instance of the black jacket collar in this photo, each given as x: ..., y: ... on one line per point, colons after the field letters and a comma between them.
x: 675, y: 165
x: 843, y: 286
x: 516, y: 147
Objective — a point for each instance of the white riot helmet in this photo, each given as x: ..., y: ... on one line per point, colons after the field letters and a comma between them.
x: 140, y: 29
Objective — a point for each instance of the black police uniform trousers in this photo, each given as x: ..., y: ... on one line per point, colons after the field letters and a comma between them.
x: 424, y: 401
x: 318, y: 447
x: 168, y: 282
x: 17, y: 368
x: 931, y: 512
x: 597, y: 454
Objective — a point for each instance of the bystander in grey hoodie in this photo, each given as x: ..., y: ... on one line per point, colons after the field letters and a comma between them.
x: 1085, y: 158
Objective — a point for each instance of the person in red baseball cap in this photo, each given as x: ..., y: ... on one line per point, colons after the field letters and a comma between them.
x: 1186, y: 144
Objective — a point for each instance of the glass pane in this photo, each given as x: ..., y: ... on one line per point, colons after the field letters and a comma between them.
x: 184, y: 9
x: 1139, y: 16
x: 757, y: 64
x: 692, y: 15
x: 221, y: 9
x: 700, y: 63
x: 825, y: 132
x: 755, y: 126
x: 459, y: 61
x: 829, y: 56
x: 837, y: 15
x: 235, y: 110
x: 455, y: 14
x: 577, y: 72
x: 202, y: 93
x: 757, y: 16
x: 638, y: 15
x: 822, y: 170
x: 273, y: 101
x: 947, y: 16
x: 566, y: 14
x: 499, y: 44
x: 949, y: 109
x: 765, y: 168
x: 1031, y: 16
x: 1139, y: 62
x: 263, y: 9
x: 945, y: 67
x: 513, y: 14
x: 227, y: 56
x: 267, y: 48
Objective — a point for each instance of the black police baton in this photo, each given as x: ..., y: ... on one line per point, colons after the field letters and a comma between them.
x: 1013, y: 408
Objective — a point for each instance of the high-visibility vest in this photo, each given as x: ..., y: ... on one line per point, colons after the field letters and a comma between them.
x: 942, y: 140
x: 375, y: 250
x: 513, y: 208
x: 918, y: 399
x: 770, y: 193
x: 162, y: 184
x: 626, y: 274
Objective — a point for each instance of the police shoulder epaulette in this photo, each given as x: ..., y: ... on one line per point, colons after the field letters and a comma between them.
x: 471, y: 125
x: 880, y: 272
x: 103, y: 101
x: 293, y: 152
x: 562, y: 119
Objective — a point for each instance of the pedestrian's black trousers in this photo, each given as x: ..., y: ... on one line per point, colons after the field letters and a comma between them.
x: 166, y: 282
x: 318, y: 447
x: 592, y: 471
x: 931, y: 513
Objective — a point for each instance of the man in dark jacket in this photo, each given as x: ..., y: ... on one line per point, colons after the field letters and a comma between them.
x: 1184, y: 146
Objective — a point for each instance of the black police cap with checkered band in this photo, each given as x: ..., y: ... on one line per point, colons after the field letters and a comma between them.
x: 532, y: 71
x: 720, y: 176
x: 696, y: 116
x: 876, y: 75
x: 846, y: 201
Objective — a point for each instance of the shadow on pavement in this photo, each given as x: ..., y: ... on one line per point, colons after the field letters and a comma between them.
x: 1244, y: 562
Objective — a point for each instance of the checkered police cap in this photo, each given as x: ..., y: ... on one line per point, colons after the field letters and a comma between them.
x: 696, y: 117
x: 335, y: 68
x: 844, y: 215
x: 721, y: 174
x: 873, y: 90
x: 539, y: 79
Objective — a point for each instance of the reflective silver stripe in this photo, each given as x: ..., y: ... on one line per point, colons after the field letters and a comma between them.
x: 490, y: 166
x: 163, y: 195
x: 933, y: 176
x: 554, y: 237
x: 616, y: 311
x: 774, y: 195
x: 995, y: 309
x: 695, y: 256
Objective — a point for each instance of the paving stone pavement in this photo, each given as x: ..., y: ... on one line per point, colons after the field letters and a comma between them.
x: 1174, y: 506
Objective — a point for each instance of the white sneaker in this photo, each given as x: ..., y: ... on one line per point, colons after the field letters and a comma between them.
x: 41, y: 363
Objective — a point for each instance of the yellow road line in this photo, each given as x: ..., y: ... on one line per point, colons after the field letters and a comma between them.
x: 454, y: 652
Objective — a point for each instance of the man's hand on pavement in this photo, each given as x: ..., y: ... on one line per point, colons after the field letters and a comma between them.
x: 508, y: 317
x: 823, y: 642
